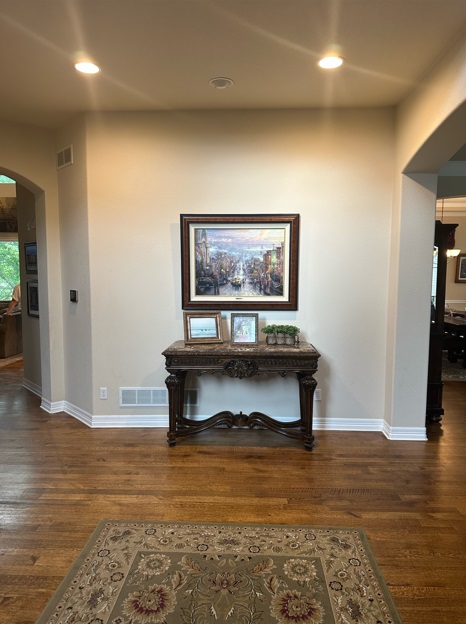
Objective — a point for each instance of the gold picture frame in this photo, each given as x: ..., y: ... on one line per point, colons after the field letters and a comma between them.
x: 202, y: 327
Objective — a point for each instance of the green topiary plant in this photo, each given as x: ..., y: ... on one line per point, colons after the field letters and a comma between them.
x: 290, y: 330
x: 269, y: 329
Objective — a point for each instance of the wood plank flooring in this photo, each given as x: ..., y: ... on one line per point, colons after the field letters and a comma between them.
x: 58, y: 479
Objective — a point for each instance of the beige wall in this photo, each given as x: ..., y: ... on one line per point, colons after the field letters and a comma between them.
x: 366, y: 242
x: 76, y: 268
x: 431, y: 120
x: 144, y: 170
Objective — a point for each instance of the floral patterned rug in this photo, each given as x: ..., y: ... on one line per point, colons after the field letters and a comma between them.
x: 201, y: 573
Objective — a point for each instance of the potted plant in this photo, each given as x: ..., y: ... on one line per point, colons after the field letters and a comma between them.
x: 270, y: 336
x: 290, y: 331
x: 281, y: 334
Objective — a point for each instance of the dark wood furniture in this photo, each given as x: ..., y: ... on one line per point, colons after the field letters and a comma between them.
x: 11, y: 335
x: 240, y: 362
x: 455, y: 338
x: 444, y: 239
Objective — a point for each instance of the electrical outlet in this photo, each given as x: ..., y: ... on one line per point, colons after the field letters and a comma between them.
x: 103, y: 393
x: 317, y: 394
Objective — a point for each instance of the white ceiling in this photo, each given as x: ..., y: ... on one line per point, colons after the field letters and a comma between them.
x: 161, y: 54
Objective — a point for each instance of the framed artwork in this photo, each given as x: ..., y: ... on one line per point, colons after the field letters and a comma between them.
x: 202, y: 327
x: 244, y: 329
x: 30, y: 252
x: 33, y: 298
x: 245, y: 262
x: 460, y: 276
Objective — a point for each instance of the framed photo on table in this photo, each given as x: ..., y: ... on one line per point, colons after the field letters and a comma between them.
x: 460, y: 276
x: 244, y: 329
x: 202, y: 327
x: 240, y: 261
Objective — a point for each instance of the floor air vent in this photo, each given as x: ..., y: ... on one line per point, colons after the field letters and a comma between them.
x: 65, y: 157
x: 150, y: 397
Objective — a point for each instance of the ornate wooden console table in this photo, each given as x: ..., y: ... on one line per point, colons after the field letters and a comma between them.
x: 241, y: 362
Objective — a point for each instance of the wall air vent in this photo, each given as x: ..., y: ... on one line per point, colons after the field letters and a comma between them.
x: 151, y: 397
x: 143, y: 397
x: 65, y: 157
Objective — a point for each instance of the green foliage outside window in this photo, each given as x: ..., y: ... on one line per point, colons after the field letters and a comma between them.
x: 9, y: 268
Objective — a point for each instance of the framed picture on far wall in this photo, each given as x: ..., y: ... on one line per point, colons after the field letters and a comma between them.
x: 30, y: 252
x: 245, y: 262
x: 33, y: 298
x: 460, y: 276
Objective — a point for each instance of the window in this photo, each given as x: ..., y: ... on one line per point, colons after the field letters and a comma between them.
x: 9, y: 268
x: 6, y: 180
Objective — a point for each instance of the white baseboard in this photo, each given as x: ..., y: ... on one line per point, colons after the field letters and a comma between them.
x: 405, y: 433
x: 79, y: 414
x: 128, y: 421
x: 123, y: 421
x: 52, y: 408
x: 457, y: 303
x: 346, y: 424
x: 29, y: 385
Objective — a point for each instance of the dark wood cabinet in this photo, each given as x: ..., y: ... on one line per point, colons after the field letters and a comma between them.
x: 444, y: 239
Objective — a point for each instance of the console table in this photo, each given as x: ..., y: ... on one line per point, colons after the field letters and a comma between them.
x: 240, y: 362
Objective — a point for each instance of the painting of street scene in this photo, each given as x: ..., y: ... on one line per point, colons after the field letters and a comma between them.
x: 240, y: 262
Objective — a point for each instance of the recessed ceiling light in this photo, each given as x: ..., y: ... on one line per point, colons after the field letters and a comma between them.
x: 221, y: 83
x: 86, y: 67
x: 332, y: 61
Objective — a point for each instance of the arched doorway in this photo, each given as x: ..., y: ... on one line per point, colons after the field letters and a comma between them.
x: 30, y: 284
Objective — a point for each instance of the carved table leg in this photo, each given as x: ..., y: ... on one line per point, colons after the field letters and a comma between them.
x: 307, y: 385
x: 175, y: 386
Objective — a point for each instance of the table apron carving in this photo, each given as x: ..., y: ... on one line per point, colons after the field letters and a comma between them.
x: 241, y: 363
x: 240, y: 368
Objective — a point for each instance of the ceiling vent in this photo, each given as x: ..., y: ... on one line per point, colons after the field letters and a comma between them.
x: 221, y: 82
x: 65, y: 157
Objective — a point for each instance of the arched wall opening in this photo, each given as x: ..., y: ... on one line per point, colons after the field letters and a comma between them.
x: 413, y: 227
x: 30, y: 283
x: 43, y: 365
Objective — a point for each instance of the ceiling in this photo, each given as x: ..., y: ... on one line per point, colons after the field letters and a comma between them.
x: 161, y: 54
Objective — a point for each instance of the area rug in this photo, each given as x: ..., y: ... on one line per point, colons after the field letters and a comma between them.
x: 452, y: 371
x: 201, y: 573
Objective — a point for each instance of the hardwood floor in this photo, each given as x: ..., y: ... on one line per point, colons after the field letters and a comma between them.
x: 58, y: 479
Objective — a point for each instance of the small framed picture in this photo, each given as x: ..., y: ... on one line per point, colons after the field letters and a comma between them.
x: 244, y: 329
x: 202, y: 327
x: 33, y: 298
x: 30, y: 252
x: 460, y: 276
